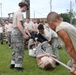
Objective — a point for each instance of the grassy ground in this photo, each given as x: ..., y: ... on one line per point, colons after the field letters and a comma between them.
x: 29, y: 64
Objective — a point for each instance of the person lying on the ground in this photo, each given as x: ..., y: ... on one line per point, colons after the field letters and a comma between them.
x: 42, y: 53
x: 50, y: 36
x: 45, y: 62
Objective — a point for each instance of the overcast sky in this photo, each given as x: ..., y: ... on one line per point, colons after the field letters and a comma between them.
x: 39, y: 8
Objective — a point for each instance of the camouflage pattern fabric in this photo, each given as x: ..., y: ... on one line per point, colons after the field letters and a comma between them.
x: 43, y: 47
x: 9, y: 38
x: 18, y: 46
x: 1, y: 36
x: 54, y: 43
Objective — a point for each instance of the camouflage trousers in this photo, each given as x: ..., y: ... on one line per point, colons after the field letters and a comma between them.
x: 18, y: 47
x: 30, y: 42
x: 9, y: 38
x: 1, y: 37
x: 54, y: 43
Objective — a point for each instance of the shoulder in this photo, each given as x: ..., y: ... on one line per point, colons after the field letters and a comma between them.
x: 61, y: 26
x: 46, y: 30
x: 18, y: 13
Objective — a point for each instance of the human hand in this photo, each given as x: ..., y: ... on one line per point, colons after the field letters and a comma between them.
x: 36, y: 43
x: 53, y: 56
x: 47, y: 54
x: 73, y: 70
x: 49, y: 42
x: 26, y: 36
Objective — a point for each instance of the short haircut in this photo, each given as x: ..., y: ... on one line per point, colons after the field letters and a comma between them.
x: 53, y: 16
x: 48, y: 67
x: 6, y: 20
x: 40, y: 27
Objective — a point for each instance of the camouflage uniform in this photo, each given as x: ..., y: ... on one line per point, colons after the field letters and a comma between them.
x: 43, y: 48
x: 54, y: 43
x: 18, y: 47
x: 1, y: 37
x: 9, y: 38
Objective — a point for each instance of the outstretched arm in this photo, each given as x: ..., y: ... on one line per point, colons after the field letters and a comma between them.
x: 38, y: 58
x: 42, y: 55
x: 68, y: 43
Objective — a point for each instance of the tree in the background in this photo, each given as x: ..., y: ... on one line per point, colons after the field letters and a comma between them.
x: 65, y: 17
x: 74, y: 21
x: 68, y: 16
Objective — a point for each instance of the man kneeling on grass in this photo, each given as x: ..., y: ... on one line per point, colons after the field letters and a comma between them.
x: 44, y: 61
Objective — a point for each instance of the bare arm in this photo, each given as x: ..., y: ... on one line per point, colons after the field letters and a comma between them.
x: 26, y: 30
x: 21, y: 27
x: 68, y: 43
x: 47, y: 54
x: 22, y: 30
x: 38, y: 58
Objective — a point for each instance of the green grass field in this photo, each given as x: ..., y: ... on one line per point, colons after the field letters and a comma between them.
x: 29, y: 64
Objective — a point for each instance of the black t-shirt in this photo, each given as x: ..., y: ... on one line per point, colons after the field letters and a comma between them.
x: 41, y: 38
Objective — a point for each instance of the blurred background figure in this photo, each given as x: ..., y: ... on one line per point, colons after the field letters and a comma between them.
x: 1, y: 34
x: 8, y: 30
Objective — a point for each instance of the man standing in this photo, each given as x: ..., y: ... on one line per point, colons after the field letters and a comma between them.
x: 66, y: 34
x: 28, y: 25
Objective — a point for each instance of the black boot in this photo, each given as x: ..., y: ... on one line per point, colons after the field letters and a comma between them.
x: 12, y: 66
x: 19, y: 68
x: 2, y: 43
x: 57, y: 64
x: 6, y: 42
